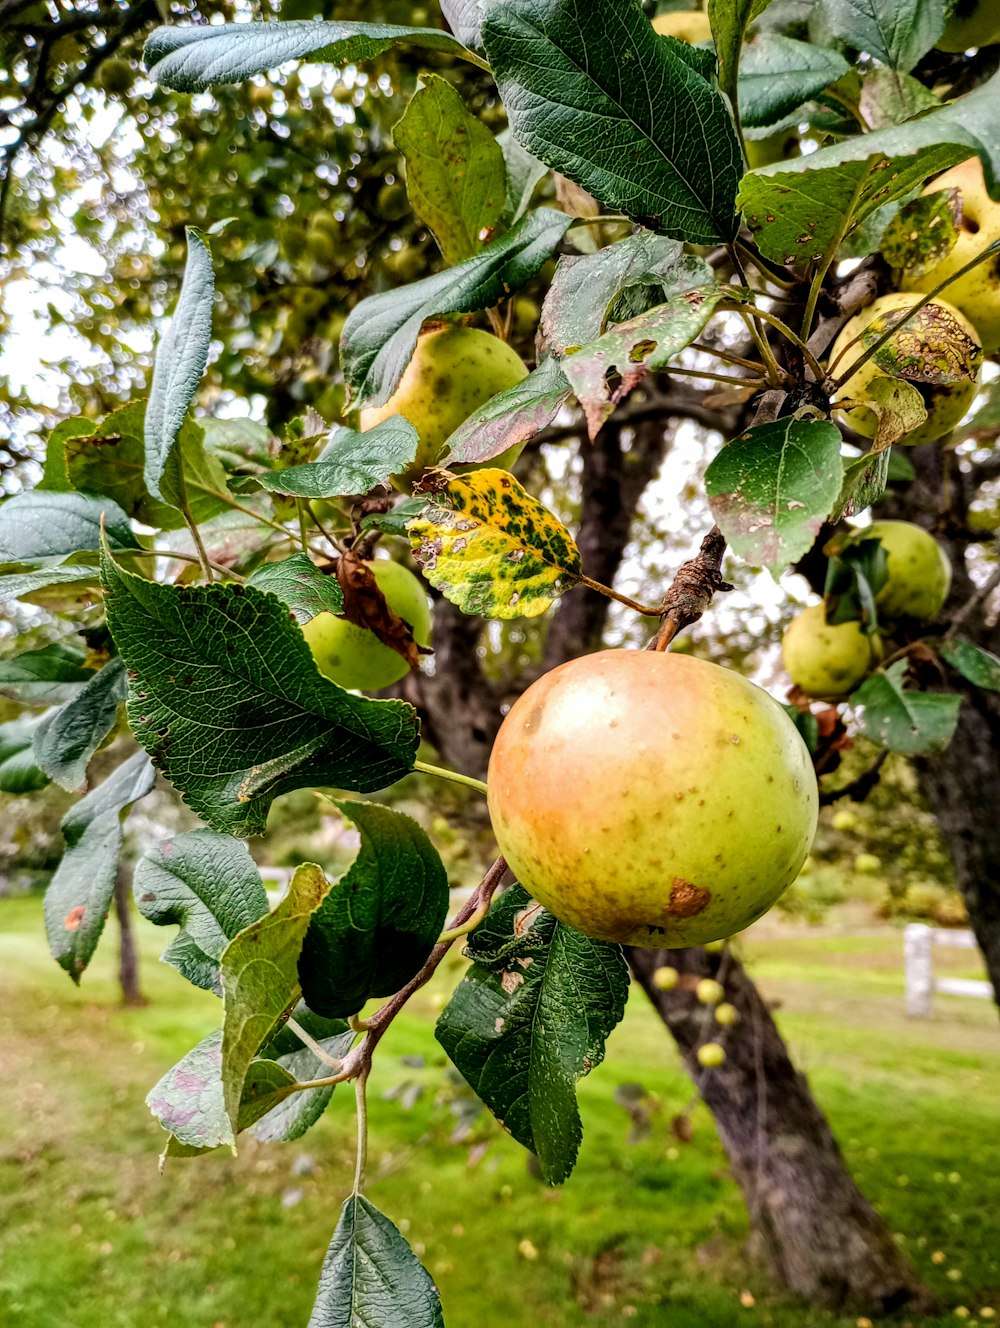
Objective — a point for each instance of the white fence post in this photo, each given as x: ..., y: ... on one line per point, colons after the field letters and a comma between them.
x: 918, y: 952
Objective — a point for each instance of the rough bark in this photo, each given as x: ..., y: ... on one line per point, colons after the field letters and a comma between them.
x: 820, y: 1236
x: 128, y: 954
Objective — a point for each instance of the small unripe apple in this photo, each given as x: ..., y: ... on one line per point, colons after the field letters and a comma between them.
x: 687, y: 25
x: 650, y: 798
x: 709, y: 992
x: 977, y: 294
x: 826, y: 660
x: 665, y: 978
x: 451, y: 373
x: 711, y: 1055
x: 938, y: 352
x: 867, y: 864
x: 726, y: 1015
x: 353, y: 656
x: 972, y: 23
x: 919, y: 571
x: 844, y: 821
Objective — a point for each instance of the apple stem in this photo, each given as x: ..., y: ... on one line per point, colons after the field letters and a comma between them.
x: 622, y: 599
x: 426, y: 768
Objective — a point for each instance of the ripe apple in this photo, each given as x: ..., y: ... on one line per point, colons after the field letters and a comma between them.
x: 653, y: 799
x: 937, y: 344
x: 353, y: 656
x: 665, y: 978
x: 919, y: 571
x: 709, y: 992
x: 451, y: 373
x: 711, y: 1055
x: 687, y: 25
x: 827, y: 660
x: 977, y: 294
x: 972, y: 23
x: 726, y: 1015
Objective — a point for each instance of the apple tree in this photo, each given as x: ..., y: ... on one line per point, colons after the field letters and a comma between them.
x: 749, y: 236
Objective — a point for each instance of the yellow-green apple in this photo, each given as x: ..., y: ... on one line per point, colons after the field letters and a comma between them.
x: 827, y: 660
x: 919, y: 571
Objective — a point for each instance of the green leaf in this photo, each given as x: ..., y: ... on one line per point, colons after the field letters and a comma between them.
x: 190, y: 59
x: 897, y: 32
x: 981, y: 667
x: 863, y: 485
x: 351, y: 462
x: 605, y: 371
x: 586, y: 287
x: 225, y: 696
x: 42, y: 527
x: 772, y: 488
x: 778, y: 74
x: 79, y: 894
x: 594, y: 92
x: 19, y: 585
x: 188, y: 1101
x: 67, y: 738
x: 523, y: 174
x: 381, y: 332
x: 292, y: 1117
x: 18, y: 772
x: 889, y: 97
x: 491, y: 548
x: 902, y: 720
x: 55, y: 475
x: 379, y: 923
x: 466, y: 21
x: 260, y: 982
x: 924, y: 232
x: 729, y: 20
x: 209, y: 886
x: 396, y: 520
x: 529, y: 1019
x: 855, y: 573
x: 181, y: 360
x: 371, y: 1276
x: 48, y: 676
x: 456, y: 177
x: 800, y: 215
x: 511, y: 417
x: 299, y: 584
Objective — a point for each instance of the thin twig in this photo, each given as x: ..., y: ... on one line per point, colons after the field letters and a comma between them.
x: 858, y: 789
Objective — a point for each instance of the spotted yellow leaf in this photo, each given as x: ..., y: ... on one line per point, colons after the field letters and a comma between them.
x: 493, y: 549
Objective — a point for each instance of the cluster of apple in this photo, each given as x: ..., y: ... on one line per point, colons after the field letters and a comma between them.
x: 828, y: 660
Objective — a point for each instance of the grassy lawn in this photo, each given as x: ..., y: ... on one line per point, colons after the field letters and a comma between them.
x: 91, y: 1236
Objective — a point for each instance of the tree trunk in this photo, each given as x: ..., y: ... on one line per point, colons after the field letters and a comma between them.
x: 128, y: 954
x: 819, y: 1235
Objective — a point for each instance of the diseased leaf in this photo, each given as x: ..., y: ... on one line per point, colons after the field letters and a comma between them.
x: 42, y: 527
x: 371, y: 1276
x: 351, y: 462
x: 898, y: 407
x: 299, y: 584
x: 380, y: 921
x: 79, y: 894
x: 260, y: 979
x: 889, y: 97
x: 529, y: 1019
x: 381, y: 332
x: 903, y: 720
x: 591, y: 90
x: 924, y: 232
x: 493, y: 549
x: 864, y: 484
x: 981, y: 667
x: 778, y: 74
x: 605, y: 371
x: 188, y: 1101
x: 67, y: 738
x: 190, y: 58
x: 181, y: 360
x: 226, y: 697
x: 772, y: 488
x: 456, y: 178
x: 932, y: 348
x: 397, y: 518
x: 897, y: 32
x: 47, y: 676
x: 511, y: 417
x: 209, y: 886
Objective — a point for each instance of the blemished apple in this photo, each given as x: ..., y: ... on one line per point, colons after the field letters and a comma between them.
x: 977, y: 294
x: 452, y: 372
x: 972, y: 23
x: 711, y: 1055
x: 919, y: 571
x: 649, y: 798
x: 938, y: 351
x: 353, y: 656
x: 827, y: 660
x: 687, y: 25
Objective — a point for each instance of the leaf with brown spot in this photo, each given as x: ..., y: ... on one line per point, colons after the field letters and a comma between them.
x: 367, y: 607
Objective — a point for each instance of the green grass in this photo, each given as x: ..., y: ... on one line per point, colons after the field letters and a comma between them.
x: 91, y: 1236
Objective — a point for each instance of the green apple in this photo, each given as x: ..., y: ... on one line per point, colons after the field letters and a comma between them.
x: 711, y: 1055
x: 977, y: 294
x: 867, y: 864
x: 972, y: 23
x: 845, y: 821
x: 726, y: 1015
x: 687, y: 25
x: 938, y: 352
x: 919, y: 571
x: 827, y: 660
x: 451, y: 373
x: 665, y: 978
x: 650, y: 798
x: 353, y: 656
x: 709, y: 992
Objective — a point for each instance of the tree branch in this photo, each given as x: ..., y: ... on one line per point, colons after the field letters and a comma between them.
x: 692, y: 589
